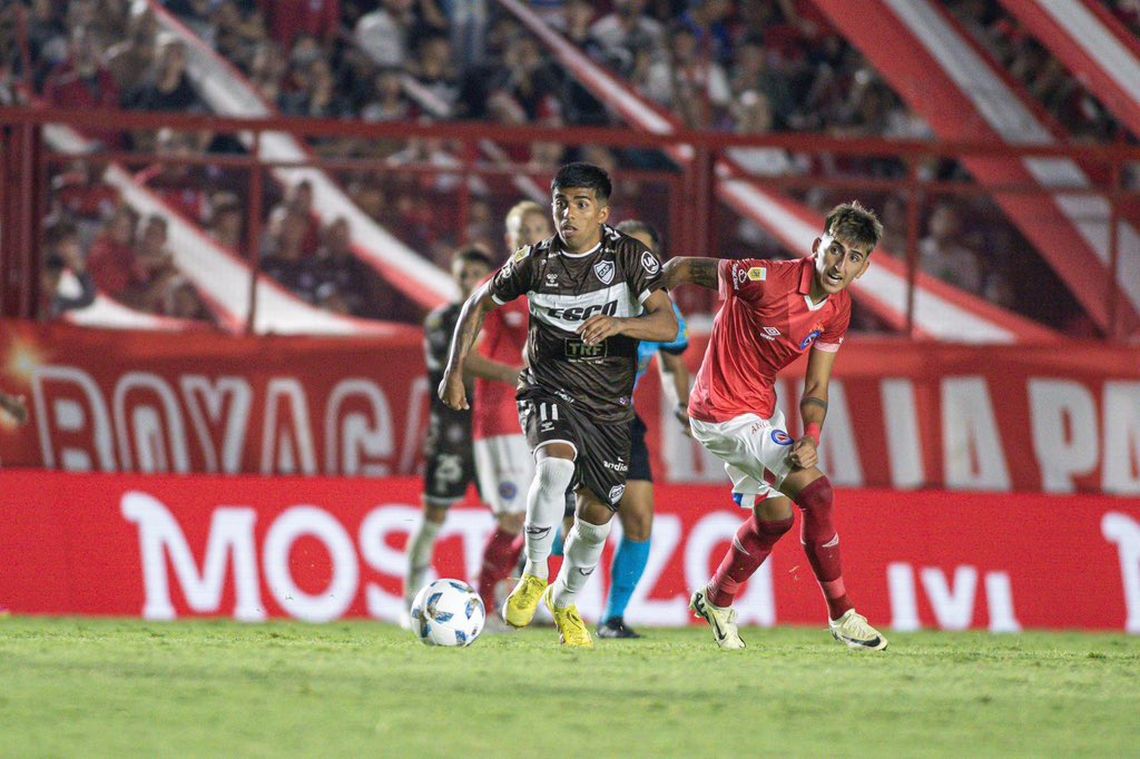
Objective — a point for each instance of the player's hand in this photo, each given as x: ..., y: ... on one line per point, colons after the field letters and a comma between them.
x: 598, y: 328
x: 681, y: 414
x: 804, y: 453
x: 16, y: 407
x: 452, y: 392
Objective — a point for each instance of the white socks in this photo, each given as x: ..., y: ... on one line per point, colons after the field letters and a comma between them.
x: 545, y: 503
x: 581, y: 555
x: 420, y: 550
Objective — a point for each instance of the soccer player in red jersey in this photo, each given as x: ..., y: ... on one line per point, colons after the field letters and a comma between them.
x: 503, y: 462
x: 773, y: 312
x: 17, y: 408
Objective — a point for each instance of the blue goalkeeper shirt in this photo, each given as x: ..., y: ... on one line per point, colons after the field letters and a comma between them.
x: 646, y: 351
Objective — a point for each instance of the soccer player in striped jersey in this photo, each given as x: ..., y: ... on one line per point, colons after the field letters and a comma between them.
x: 593, y: 293
x: 774, y: 312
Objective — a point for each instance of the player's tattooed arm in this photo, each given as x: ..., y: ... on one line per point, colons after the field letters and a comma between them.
x: 451, y: 390
x: 813, y: 408
x: 691, y: 270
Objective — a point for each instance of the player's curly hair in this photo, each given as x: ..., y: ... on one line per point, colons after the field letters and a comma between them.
x: 853, y: 222
x: 585, y: 175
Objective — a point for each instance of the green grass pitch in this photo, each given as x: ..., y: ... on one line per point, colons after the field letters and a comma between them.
x: 109, y: 687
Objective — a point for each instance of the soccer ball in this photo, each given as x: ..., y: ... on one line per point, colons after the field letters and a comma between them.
x: 448, y: 613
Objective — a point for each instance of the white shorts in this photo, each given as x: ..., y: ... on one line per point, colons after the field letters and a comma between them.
x: 754, y: 451
x: 505, y: 467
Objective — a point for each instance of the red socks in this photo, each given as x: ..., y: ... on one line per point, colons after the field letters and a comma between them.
x: 752, y: 544
x: 500, y: 556
x: 821, y: 544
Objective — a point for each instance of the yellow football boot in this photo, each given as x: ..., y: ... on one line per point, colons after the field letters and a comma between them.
x: 572, y: 630
x: 522, y: 603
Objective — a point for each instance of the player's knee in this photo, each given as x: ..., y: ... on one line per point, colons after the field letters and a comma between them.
x: 637, y: 524
x: 591, y: 533
x: 773, y: 509
x: 552, y: 476
x: 816, y: 500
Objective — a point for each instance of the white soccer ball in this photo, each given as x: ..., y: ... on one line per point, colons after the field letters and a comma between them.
x: 448, y: 613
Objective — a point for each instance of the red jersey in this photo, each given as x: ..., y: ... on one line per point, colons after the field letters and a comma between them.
x: 494, y: 411
x: 767, y: 322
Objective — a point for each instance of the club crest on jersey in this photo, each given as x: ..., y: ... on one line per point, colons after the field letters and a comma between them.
x: 605, y: 271
x: 650, y: 263
x: 816, y: 331
x: 616, y: 492
x: 779, y: 437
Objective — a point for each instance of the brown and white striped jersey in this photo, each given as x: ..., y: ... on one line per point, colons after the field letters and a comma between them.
x: 566, y: 289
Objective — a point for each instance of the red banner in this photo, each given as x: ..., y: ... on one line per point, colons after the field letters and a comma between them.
x: 902, y: 415
x: 320, y: 549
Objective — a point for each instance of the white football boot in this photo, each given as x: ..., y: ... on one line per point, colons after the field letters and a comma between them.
x: 722, y: 621
x: 853, y: 631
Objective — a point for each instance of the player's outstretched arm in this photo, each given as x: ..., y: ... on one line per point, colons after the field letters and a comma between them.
x: 16, y: 407
x: 813, y: 407
x: 658, y: 324
x: 482, y: 367
x: 475, y: 309
x: 690, y: 270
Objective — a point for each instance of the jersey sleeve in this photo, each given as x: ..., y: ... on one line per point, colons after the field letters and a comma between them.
x: 681, y: 344
x: 836, y: 329
x: 745, y: 278
x: 514, y: 277
x: 643, y: 270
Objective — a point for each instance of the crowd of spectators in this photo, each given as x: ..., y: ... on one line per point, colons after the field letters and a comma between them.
x: 743, y: 67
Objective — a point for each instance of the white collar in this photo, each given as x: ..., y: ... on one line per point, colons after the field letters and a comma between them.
x: 589, y: 252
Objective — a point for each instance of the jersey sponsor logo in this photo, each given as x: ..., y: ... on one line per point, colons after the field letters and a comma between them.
x: 739, y: 276
x: 582, y: 313
x: 576, y: 350
x: 779, y: 437
x: 508, y: 491
x: 649, y: 261
x: 758, y: 274
x: 513, y: 318
x: 605, y: 271
x: 616, y: 492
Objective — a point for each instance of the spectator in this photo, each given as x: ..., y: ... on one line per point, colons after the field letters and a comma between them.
x: 343, y: 280
x: 182, y: 300
x: 388, y: 101
x: 383, y: 33
x: 287, y: 19
x: 287, y: 263
x: 227, y: 223
x: 167, y: 86
x: 299, y: 203
x: 706, y: 20
x: 82, y: 83
x: 628, y: 31
x: 79, y: 194
x: 529, y: 79
x: 130, y: 60
x: 752, y: 113
x: 943, y: 255
x: 696, y: 89
x: 111, y: 260
x: 238, y: 36
x: 434, y: 69
x: 318, y: 97
x: 63, y: 251
x: 177, y: 182
x: 157, y: 265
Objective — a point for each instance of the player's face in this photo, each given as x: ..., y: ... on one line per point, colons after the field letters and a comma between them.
x: 579, y: 216
x: 532, y: 229
x: 468, y: 275
x: 838, y: 263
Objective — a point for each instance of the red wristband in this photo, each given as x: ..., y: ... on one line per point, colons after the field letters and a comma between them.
x: 812, y: 431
